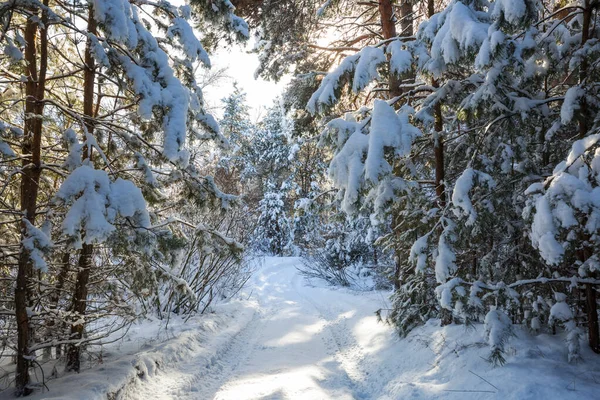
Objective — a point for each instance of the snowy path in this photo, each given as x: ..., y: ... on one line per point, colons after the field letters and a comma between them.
x: 309, y: 343
x: 297, y: 346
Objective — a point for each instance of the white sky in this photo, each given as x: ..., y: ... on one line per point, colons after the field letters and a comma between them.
x: 240, y: 68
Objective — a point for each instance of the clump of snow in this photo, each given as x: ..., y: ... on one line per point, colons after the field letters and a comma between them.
x: 13, y: 53
x: 418, y: 253
x: 366, y: 68
x: 95, y: 203
x: 452, y: 33
x: 568, y: 202
x: 347, y: 168
x: 74, y: 159
x: 363, y: 67
x: 192, y: 47
x: 5, y: 150
x: 513, y: 10
x: 543, y: 232
x: 561, y: 313
x: 37, y: 243
x: 115, y: 17
x: 460, y: 194
x: 325, y: 94
x: 571, y: 104
x: 321, y: 10
x: 498, y: 329
x: 401, y: 60
x: 98, y: 50
x: 444, y: 262
x: 388, y: 130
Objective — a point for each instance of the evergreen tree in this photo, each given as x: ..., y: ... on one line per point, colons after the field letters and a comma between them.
x: 273, y: 234
x: 102, y: 150
x: 485, y: 99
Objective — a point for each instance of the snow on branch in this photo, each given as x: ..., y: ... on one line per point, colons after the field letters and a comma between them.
x: 460, y: 194
x: 388, y: 130
x: 452, y: 33
x: 95, y: 203
x: 567, y: 205
x: 362, y: 66
x: 37, y: 243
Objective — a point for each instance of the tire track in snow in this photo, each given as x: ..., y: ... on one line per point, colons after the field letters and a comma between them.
x: 176, y: 381
x: 297, y: 333
x: 346, y: 351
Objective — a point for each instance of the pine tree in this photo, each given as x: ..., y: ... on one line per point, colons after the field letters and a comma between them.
x: 89, y: 158
x: 273, y: 234
x: 484, y: 100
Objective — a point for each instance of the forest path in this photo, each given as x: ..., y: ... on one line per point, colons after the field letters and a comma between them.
x: 304, y: 342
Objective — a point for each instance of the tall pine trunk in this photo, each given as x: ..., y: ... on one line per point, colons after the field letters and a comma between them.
x: 85, y: 254
x: 438, y: 157
x: 590, y: 292
x: 388, y: 29
x: 30, y: 178
x: 438, y: 145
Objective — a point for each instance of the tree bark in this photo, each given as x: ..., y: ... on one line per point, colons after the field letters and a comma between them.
x: 438, y: 155
x: 590, y: 292
x: 388, y: 30
x: 29, y: 186
x: 438, y: 145
x: 592, y: 314
x: 438, y: 149
x: 79, y: 307
x: 87, y: 250
x: 406, y: 18
x: 60, y: 283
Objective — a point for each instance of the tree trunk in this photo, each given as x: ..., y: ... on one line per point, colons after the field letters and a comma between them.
x: 438, y: 155
x: 438, y: 145
x: 87, y: 250
x: 55, y: 298
x: 79, y: 307
x: 388, y: 30
x: 406, y: 17
x: 30, y: 178
x: 592, y: 315
x: 590, y: 292
x: 438, y: 149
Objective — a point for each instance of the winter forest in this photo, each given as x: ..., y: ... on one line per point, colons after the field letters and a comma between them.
x: 415, y: 215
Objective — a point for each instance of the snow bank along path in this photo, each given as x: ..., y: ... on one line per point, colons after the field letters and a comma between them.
x: 310, y: 342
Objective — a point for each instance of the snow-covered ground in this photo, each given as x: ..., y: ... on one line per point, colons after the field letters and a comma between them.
x: 290, y: 339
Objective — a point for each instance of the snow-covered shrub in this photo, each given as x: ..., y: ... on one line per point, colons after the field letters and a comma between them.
x: 319, y: 265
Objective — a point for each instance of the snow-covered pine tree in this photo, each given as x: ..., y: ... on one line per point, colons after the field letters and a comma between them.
x: 273, y: 234
x: 311, y: 212
x: 238, y: 130
x: 484, y: 87
x: 124, y: 114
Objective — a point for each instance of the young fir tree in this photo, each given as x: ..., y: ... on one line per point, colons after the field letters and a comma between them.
x: 273, y: 234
